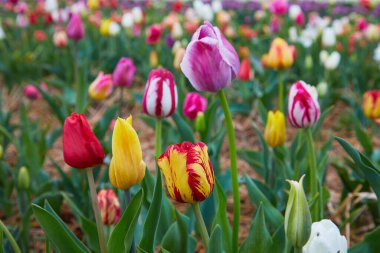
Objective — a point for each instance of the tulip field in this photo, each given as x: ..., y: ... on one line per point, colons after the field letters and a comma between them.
x: 180, y: 126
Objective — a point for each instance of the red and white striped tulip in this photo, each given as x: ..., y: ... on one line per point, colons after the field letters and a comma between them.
x: 160, y: 97
x: 303, y: 106
x: 109, y: 206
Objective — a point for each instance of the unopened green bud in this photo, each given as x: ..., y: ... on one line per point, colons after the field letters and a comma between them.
x: 200, y: 124
x: 23, y: 178
x: 297, y: 215
x: 308, y: 61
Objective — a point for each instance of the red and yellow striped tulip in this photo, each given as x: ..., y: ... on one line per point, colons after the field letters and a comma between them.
x: 371, y: 104
x: 109, y: 206
x: 280, y: 55
x: 188, y: 172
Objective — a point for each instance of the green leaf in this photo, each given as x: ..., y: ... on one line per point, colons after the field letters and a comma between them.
x: 363, y: 138
x: 371, y: 243
x: 183, y: 128
x: 122, y: 236
x: 53, y: 104
x: 147, y: 242
x: 274, y: 216
x: 57, y: 232
x: 278, y: 241
x: 317, y: 126
x: 216, y: 241
x: 176, y: 238
x: 258, y: 239
x: 254, y: 159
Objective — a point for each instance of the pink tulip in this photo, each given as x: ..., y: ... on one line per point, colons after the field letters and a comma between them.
x: 194, y: 104
x: 303, y: 106
x: 361, y: 24
x: 160, y: 97
x: 75, y: 28
x: 60, y: 39
x: 32, y: 93
x: 210, y: 62
x: 275, y: 25
x: 124, y: 73
x: 101, y: 87
x: 153, y: 34
x: 300, y: 19
x: 279, y: 7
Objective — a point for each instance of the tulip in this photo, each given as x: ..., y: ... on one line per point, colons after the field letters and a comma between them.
x: 75, y: 28
x: 361, y: 24
x: 105, y: 27
x: 124, y: 73
x: 194, y: 104
x: 39, y: 35
x: 297, y: 215
x: 138, y: 15
x: 303, y: 106
x: 127, y: 20
x: 101, y: 87
x: 23, y: 178
x: 51, y: 5
x: 275, y: 130
x: 245, y: 72
x: 188, y: 172
x: 371, y: 104
x: 93, y: 4
x: 177, y: 31
x: 322, y: 88
x: 294, y: 11
x: 275, y: 25
x: 60, y: 39
x: 332, y: 61
x: 280, y: 55
x: 153, y: 59
x: 127, y: 167
x: 160, y: 97
x: 178, y: 57
x: 109, y: 206
x: 328, y: 37
x: 81, y: 148
x: 31, y: 92
x: 372, y: 33
x: 279, y: 7
x: 210, y: 62
x: 325, y: 237
x: 153, y: 34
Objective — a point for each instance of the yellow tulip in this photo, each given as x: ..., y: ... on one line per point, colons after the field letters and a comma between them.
x: 127, y: 167
x: 280, y: 55
x: 105, y: 27
x: 275, y: 130
x: 153, y: 59
x: 93, y: 4
x: 178, y: 56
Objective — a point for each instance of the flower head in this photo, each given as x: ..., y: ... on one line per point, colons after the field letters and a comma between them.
x: 101, y: 87
x: 109, y: 206
x: 194, y: 104
x: 124, y: 73
x: 371, y: 104
x: 280, y: 55
x: 75, y: 28
x: 275, y: 130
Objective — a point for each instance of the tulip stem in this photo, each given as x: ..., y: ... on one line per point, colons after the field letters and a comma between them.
x: 121, y: 98
x: 280, y: 92
x: 201, y: 224
x: 96, y: 208
x: 234, y: 171
x: 313, y: 173
x: 12, y: 240
x: 158, y: 137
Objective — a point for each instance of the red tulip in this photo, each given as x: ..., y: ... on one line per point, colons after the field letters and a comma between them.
x: 245, y: 72
x: 153, y: 34
x: 81, y: 148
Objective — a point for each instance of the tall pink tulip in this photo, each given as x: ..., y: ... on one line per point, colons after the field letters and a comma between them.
x: 124, y: 72
x: 75, y: 28
x: 303, y: 106
x: 160, y: 97
x: 194, y: 104
x: 210, y: 62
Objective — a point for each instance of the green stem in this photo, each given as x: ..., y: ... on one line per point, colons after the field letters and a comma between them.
x: 280, y: 92
x: 12, y: 240
x: 201, y: 224
x: 296, y: 162
x: 234, y: 172
x: 158, y: 137
x: 96, y: 208
x: 121, y: 98
x: 313, y: 173
x: 47, y: 245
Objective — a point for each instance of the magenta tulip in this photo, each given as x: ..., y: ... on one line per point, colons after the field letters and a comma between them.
x: 303, y: 106
x: 279, y: 7
x: 160, y: 97
x: 210, y: 62
x: 194, y: 104
x: 75, y: 28
x: 124, y: 73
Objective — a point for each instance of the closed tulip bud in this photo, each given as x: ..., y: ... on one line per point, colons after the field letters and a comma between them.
x: 75, y: 28
x: 93, y: 4
x: 303, y: 106
x: 371, y: 104
x: 124, y: 73
x: 275, y: 130
x: 188, y: 172
x: 194, y: 104
x: 60, y: 39
x: 127, y: 167
x: 109, y: 206
x: 325, y: 237
x: 210, y: 62
x: 297, y: 215
x: 280, y: 55
x: 245, y: 72
x: 153, y: 59
x: 200, y: 122
x: 23, y: 178
x: 178, y: 57
x: 101, y: 87
x: 81, y: 148
x: 153, y: 34
x: 160, y: 97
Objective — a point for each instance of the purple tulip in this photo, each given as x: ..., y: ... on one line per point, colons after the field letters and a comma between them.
x: 210, y: 62
x: 194, y: 104
x: 75, y: 29
x: 124, y: 72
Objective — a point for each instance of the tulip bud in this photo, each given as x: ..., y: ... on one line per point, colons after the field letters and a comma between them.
x: 297, y: 215
x: 160, y: 97
x: 194, y: 104
x: 81, y: 148
x: 124, y: 73
x: 31, y: 92
x: 60, y: 39
x: 325, y: 237
x: 23, y: 178
x: 322, y: 89
x: 93, y: 4
x: 245, y: 72
x: 303, y: 106
x: 109, y: 206
x: 210, y: 62
x: 200, y: 123
x: 153, y: 59
x: 127, y: 167
x: 280, y: 55
x: 153, y: 34
x: 75, y: 28
x: 371, y: 104
x: 105, y: 27
x: 101, y: 87
x: 279, y: 7
x: 188, y: 172
x: 177, y: 31
x: 275, y: 130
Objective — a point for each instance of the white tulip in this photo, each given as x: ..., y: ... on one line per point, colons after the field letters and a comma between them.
x: 293, y: 35
x: 217, y: 6
x: 337, y: 25
x: 294, y: 11
x: 323, y: 56
x: 328, y: 37
x: 51, y: 5
x: 127, y: 20
x: 137, y: 14
x: 177, y: 31
x: 332, y: 61
x: 376, y: 55
x: 325, y: 237
x: 114, y: 28
x: 372, y: 32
